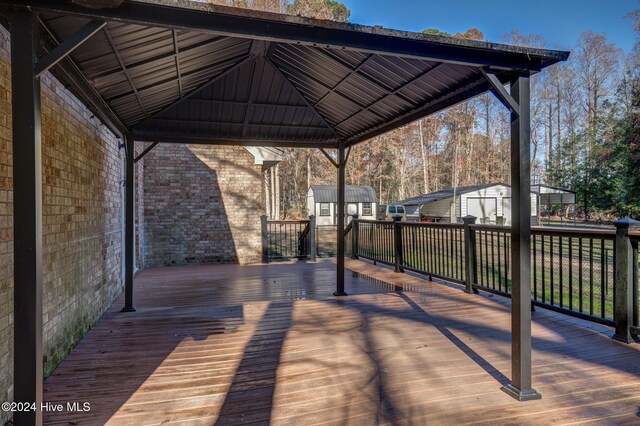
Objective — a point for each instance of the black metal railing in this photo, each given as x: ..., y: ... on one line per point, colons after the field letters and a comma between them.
x: 635, y: 244
x: 285, y: 239
x: 433, y: 249
x: 376, y: 241
x: 492, y: 257
x: 572, y: 270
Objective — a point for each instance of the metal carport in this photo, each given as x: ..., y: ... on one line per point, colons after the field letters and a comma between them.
x: 203, y: 74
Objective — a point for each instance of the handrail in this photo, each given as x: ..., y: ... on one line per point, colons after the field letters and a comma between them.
x: 348, y: 228
x: 432, y: 224
x: 585, y: 233
x: 287, y: 221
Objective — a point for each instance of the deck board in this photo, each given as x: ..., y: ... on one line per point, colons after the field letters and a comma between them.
x: 269, y: 344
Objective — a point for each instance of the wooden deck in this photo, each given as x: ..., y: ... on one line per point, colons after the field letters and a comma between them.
x: 269, y: 344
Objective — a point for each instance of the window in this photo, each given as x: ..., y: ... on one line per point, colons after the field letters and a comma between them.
x: 324, y: 209
x: 366, y: 209
x: 391, y: 209
x: 400, y: 209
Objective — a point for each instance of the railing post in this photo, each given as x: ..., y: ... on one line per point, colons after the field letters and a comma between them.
x: 397, y: 246
x: 623, y: 281
x: 354, y: 237
x: 313, y: 245
x: 265, y: 241
x: 470, y: 253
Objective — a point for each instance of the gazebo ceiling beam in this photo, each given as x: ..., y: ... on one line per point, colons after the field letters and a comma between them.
x: 330, y: 90
x: 304, y: 98
x: 500, y: 92
x: 207, y: 140
x: 197, y: 89
x: 278, y: 28
x: 176, y: 50
x: 70, y: 73
x: 62, y: 50
x: 461, y: 94
x: 132, y: 83
x: 395, y: 92
x: 326, y: 154
x: 104, y: 76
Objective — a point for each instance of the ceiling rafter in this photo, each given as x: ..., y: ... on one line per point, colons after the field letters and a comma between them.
x: 208, y: 140
x: 464, y: 91
x: 241, y: 103
x: 144, y: 89
x: 197, y: 89
x: 329, y: 89
x: 243, y: 124
x: 303, y: 97
x: 176, y: 49
x: 70, y: 72
x: 384, y: 87
x: 109, y: 73
x: 392, y: 93
x: 124, y: 68
x: 349, y: 74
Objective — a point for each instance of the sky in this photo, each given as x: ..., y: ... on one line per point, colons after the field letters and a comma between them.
x: 560, y: 22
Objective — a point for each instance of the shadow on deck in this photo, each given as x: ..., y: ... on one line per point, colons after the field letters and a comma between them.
x: 231, y: 344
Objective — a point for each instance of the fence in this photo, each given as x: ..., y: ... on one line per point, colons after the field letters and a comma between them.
x: 572, y: 271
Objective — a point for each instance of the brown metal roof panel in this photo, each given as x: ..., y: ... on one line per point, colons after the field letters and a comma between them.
x: 306, y: 61
x: 361, y: 90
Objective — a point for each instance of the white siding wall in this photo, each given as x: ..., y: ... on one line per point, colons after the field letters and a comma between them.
x: 443, y: 208
x: 314, y: 208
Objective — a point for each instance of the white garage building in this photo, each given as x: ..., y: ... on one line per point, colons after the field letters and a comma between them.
x: 490, y: 203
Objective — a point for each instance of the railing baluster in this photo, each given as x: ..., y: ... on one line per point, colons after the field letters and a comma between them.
x: 603, y: 280
x: 551, y: 277
x: 591, y: 276
x: 493, y: 261
x: 580, y: 287
x: 544, y: 286
x: 560, y: 268
x: 571, y: 273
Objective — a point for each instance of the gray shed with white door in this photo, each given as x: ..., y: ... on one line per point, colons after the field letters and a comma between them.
x: 322, y: 200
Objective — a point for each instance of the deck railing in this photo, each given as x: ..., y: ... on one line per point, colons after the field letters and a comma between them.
x: 287, y: 239
x: 634, y: 238
x: 572, y: 271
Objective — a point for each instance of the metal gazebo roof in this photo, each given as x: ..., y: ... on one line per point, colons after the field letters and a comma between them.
x: 213, y: 74
x: 152, y: 71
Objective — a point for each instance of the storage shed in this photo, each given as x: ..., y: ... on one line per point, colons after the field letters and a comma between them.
x: 490, y: 203
x: 322, y: 201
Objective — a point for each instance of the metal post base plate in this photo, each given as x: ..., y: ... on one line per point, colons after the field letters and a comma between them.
x: 128, y: 309
x: 515, y: 393
x: 339, y: 293
x: 623, y: 339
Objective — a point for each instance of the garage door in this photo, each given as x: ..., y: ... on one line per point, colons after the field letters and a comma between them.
x: 485, y: 209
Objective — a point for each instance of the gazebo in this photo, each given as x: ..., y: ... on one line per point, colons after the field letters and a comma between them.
x: 187, y: 72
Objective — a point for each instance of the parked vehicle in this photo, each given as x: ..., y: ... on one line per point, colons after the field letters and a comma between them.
x: 395, y: 210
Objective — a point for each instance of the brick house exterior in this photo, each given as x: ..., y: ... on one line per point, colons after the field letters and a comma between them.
x: 194, y: 204
x: 202, y: 205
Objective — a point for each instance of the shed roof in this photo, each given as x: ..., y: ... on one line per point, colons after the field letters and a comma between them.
x: 188, y: 72
x: 443, y: 194
x: 353, y: 194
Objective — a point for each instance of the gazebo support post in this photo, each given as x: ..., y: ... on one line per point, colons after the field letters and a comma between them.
x: 341, y: 210
x: 27, y: 217
x: 129, y: 226
x: 520, y: 386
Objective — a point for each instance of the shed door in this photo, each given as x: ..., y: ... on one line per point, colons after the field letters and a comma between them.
x: 485, y: 209
x: 506, y: 211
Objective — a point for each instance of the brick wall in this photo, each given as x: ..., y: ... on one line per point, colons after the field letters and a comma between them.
x: 202, y: 205
x: 82, y: 218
